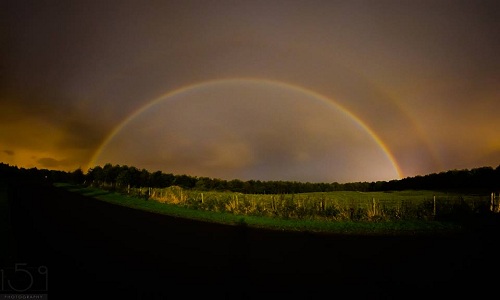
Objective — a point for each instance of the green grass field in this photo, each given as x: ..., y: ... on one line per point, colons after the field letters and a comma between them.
x: 222, y: 207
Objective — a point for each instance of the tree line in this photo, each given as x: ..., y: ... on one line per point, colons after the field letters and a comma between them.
x: 482, y: 178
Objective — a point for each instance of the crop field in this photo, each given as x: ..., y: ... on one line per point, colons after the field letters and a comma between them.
x: 335, y: 206
x: 339, y: 211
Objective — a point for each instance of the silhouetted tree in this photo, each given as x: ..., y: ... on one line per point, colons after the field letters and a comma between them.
x: 477, y: 178
x: 77, y: 176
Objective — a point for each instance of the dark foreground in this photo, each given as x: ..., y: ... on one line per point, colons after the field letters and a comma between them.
x: 94, y: 250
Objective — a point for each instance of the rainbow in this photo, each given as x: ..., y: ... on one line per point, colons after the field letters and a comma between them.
x: 393, y: 98
x: 276, y: 83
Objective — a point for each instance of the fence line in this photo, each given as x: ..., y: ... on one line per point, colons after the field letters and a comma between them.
x: 495, y: 203
x: 297, y: 206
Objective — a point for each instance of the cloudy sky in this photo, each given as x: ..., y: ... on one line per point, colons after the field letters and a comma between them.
x: 273, y: 90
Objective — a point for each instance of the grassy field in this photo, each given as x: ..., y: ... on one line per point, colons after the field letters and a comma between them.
x: 374, y: 213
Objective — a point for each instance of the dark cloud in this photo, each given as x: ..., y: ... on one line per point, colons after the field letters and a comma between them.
x: 9, y: 152
x: 49, y: 162
x: 81, y: 134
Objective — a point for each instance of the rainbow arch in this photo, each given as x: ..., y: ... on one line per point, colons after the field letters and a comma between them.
x: 276, y: 83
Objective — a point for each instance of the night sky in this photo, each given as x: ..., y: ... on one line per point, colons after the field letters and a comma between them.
x: 317, y: 91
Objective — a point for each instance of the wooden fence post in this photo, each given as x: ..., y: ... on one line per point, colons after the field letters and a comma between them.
x: 373, y: 207
x: 498, y: 202
x: 492, y: 201
x: 495, y: 205
x: 434, y: 207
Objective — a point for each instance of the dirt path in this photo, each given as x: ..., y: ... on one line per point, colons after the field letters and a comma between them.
x: 95, y: 250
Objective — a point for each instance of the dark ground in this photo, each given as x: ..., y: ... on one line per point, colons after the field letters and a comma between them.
x: 95, y: 250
